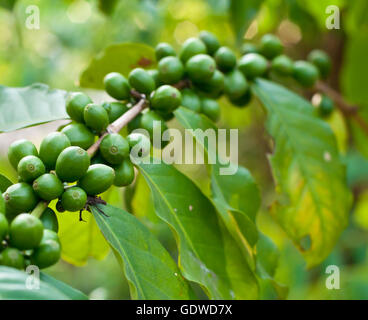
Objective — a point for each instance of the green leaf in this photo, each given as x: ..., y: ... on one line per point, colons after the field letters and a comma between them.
x: 314, y: 200
x: 267, y: 262
x: 117, y: 58
x: 235, y: 196
x: 29, y: 106
x: 80, y: 240
x: 67, y: 290
x: 208, y: 254
x: 241, y: 15
x: 8, y: 4
x: 151, y: 271
x: 5, y: 183
x: 13, y: 287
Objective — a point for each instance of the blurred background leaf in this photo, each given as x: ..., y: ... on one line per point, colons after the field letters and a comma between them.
x: 29, y: 106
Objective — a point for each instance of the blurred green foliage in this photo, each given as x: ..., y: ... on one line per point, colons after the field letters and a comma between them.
x: 71, y: 33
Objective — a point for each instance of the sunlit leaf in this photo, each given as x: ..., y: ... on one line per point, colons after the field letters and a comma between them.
x: 314, y: 202
x: 151, y: 272
x: 80, y: 240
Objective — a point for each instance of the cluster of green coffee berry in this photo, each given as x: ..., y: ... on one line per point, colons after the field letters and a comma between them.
x: 267, y: 59
x: 29, y: 240
x: 65, y: 171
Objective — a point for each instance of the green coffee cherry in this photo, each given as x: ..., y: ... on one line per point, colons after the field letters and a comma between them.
x: 97, y: 158
x: 48, y: 187
x: 51, y: 146
x: 25, y: 232
x: 47, y: 254
x: 236, y: 84
x: 19, y: 198
x: 114, y: 148
x: 271, y: 46
x: 49, y: 221
x: 49, y: 234
x: 210, y: 40
x: 72, y: 164
x: 98, y: 179
x: 96, y: 117
x: 151, y: 121
x: 326, y: 106
x: 190, y: 48
x: 117, y: 86
x: 243, y: 101
x: 211, y: 109
x: 170, y: 70
x: 75, y: 105
x: 140, y: 143
x: 59, y: 206
x: 249, y: 48
x: 79, y: 135
x: 135, y: 123
x: 166, y: 116
x: 4, y: 227
x: 305, y: 73
x: 141, y: 81
x: 19, y: 149
x: 191, y: 100
x: 214, y: 86
x: 115, y: 110
x: 2, y: 204
x: 163, y: 50
x: 252, y: 65
x: 30, y: 168
x: 74, y: 199
x: 200, y: 68
x: 282, y: 65
x: 124, y: 174
x: 155, y: 76
x: 13, y: 258
x: 225, y: 59
x: 166, y: 99
x: 322, y: 61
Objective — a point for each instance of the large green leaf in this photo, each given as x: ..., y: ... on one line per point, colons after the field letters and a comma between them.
x: 13, y: 287
x: 80, y: 240
x: 151, y: 271
x: 235, y: 196
x: 5, y: 183
x: 121, y: 58
x: 28, y: 106
x: 314, y: 200
x: 208, y: 254
x: 241, y: 15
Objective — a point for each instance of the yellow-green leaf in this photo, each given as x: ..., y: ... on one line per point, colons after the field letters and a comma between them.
x: 314, y: 201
